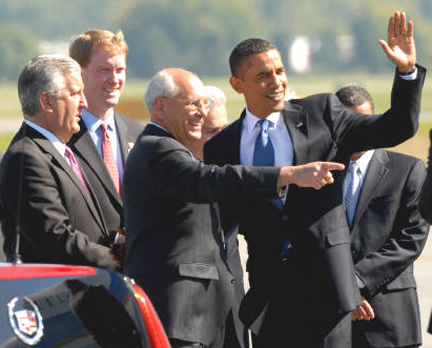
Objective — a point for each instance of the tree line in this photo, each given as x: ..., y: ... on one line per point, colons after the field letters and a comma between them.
x: 199, y: 34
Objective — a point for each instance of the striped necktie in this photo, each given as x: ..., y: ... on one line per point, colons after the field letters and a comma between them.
x: 110, y: 158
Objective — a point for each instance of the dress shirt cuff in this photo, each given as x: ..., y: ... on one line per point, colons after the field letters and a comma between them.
x: 409, y: 77
x: 360, y: 282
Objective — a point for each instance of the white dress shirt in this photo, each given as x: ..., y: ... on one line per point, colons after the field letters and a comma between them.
x: 363, y: 164
x: 93, y: 126
x: 60, y: 147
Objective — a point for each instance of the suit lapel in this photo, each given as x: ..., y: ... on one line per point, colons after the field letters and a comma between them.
x: 126, y: 142
x: 377, y: 171
x: 60, y: 162
x: 88, y: 153
x: 296, y: 121
x: 233, y: 147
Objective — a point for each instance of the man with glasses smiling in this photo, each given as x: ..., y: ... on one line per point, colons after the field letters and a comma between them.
x: 175, y: 247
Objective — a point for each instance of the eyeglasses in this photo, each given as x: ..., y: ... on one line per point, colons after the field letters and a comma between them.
x: 194, y: 104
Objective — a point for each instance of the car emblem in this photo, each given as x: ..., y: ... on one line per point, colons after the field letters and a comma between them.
x: 26, y: 323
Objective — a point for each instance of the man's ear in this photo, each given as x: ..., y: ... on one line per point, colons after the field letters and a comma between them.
x: 236, y: 84
x: 159, y: 104
x: 45, y: 102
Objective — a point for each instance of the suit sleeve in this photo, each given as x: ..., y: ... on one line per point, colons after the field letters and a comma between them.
x: 354, y: 132
x: 170, y: 169
x: 45, y: 222
x: 426, y: 192
x: 405, y: 243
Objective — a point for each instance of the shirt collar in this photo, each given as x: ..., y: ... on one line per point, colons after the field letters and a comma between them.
x: 251, y: 119
x: 50, y: 136
x: 159, y: 126
x: 93, y: 123
x: 363, y: 161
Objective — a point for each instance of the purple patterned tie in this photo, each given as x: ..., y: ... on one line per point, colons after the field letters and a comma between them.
x: 75, y: 166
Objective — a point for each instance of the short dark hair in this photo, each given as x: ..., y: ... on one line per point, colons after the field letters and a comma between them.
x: 245, y: 49
x: 353, y: 96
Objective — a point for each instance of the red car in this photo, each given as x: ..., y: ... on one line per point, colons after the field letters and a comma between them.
x: 74, y: 306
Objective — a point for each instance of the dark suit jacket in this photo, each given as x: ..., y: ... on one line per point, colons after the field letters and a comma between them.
x: 173, y: 232
x: 94, y: 167
x: 320, y: 129
x: 425, y: 204
x: 60, y: 222
x: 388, y: 234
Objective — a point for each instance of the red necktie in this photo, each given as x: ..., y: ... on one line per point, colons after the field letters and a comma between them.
x: 110, y: 158
x: 75, y: 166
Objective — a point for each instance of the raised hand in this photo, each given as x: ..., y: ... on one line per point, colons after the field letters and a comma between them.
x: 400, y: 48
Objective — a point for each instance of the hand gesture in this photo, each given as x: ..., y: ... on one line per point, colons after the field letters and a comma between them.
x: 400, y: 48
x: 315, y: 174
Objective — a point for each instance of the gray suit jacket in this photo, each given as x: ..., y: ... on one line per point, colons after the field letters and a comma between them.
x: 60, y: 221
x: 174, y: 239
x: 388, y: 235
x: 94, y: 167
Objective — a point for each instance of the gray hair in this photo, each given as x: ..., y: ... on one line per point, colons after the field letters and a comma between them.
x: 161, y: 85
x: 217, y: 95
x: 45, y: 73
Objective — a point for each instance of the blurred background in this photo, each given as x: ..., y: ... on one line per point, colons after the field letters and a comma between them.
x: 324, y: 44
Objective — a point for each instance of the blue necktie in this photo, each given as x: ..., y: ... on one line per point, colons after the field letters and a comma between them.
x: 264, y: 156
x: 352, y: 191
x: 263, y: 153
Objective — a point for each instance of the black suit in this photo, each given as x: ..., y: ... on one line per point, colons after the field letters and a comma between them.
x: 388, y: 234
x: 313, y: 286
x: 425, y: 204
x: 174, y: 239
x: 94, y: 167
x: 60, y: 222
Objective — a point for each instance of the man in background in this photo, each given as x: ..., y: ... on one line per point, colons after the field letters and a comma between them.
x: 388, y: 234
x: 44, y: 196
x: 175, y: 245
x: 106, y: 137
x: 216, y: 120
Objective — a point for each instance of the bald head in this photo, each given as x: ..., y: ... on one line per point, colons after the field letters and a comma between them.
x: 177, y: 100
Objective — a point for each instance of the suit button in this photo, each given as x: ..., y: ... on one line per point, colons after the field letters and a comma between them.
x: 232, y: 281
x: 284, y: 218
